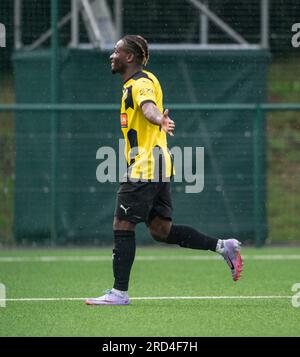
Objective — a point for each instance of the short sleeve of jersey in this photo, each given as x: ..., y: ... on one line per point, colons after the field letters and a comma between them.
x: 144, y: 91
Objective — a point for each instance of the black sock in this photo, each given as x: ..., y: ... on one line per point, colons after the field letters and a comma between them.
x: 123, y: 257
x: 188, y: 237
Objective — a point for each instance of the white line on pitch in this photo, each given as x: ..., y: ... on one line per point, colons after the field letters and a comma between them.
x: 160, y: 298
x: 92, y: 258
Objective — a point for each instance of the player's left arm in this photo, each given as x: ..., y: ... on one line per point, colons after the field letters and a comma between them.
x: 154, y: 115
x: 144, y: 92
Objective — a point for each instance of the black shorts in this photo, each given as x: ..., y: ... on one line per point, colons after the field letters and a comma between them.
x: 141, y: 201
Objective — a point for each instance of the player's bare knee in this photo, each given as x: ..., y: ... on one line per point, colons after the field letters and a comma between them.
x: 119, y: 225
x: 159, y: 230
x: 157, y: 237
x: 155, y: 234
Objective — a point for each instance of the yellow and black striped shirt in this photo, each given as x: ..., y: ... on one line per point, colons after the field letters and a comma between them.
x: 141, y: 136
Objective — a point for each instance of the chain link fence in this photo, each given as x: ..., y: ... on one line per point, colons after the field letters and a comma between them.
x: 177, y: 22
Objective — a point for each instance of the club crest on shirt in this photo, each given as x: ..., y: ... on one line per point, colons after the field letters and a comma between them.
x: 123, y: 120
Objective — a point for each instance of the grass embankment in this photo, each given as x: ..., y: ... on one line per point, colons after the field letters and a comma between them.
x: 283, y: 187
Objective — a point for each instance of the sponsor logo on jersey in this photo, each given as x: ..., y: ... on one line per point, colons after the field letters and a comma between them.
x: 124, y: 120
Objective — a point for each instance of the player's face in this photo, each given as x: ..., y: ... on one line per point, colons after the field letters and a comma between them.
x: 119, y: 58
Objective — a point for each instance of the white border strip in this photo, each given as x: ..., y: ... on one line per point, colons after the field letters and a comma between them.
x: 160, y: 298
x: 91, y: 258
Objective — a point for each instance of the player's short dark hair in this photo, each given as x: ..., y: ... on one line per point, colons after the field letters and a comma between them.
x: 138, y: 46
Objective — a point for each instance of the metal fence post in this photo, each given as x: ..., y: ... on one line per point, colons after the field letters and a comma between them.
x: 259, y: 178
x: 54, y: 100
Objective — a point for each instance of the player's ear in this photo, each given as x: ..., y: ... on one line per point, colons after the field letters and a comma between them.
x: 130, y: 57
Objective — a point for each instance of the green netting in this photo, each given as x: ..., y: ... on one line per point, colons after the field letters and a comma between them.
x: 84, y: 206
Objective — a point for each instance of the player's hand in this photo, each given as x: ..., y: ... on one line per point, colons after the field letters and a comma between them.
x: 167, y: 124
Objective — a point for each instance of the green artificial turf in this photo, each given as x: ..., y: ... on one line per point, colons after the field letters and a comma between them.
x: 172, y: 272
